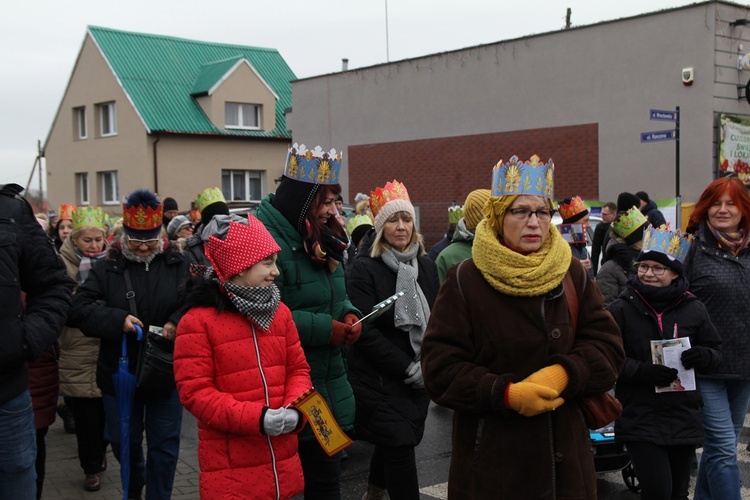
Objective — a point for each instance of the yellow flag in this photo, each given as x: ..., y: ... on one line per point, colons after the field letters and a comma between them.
x: 324, y: 426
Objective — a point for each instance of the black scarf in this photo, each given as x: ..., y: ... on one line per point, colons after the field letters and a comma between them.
x: 659, y: 297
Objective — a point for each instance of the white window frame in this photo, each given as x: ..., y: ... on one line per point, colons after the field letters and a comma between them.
x: 82, y: 182
x: 254, y: 175
x: 108, y: 119
x: 242, y: 110
x: 81, y: 124
x: 111, y: 198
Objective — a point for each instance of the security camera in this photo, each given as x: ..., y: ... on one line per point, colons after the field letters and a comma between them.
x: 688, y: 75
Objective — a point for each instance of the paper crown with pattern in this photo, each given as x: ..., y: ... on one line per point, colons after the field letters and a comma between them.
x: 455, y: 212
x: 575, y: 207
x: 626, y: 223
x: 390, y: 192
x: 142, y: 213
x: 244, y: 246
x: 89, y: 217
x: 357, y: 221
x: 674, y: 244
x: 66, y: 211
x: 313, y: 165
x: 207, y: 197
x: 195, y: 215
x: 531, y: 177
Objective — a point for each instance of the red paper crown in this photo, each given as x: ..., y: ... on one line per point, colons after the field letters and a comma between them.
x: 575, y: 207
x: 66, y: 211
x: 142, y: 218
x: 391, y: 191
x: 244, y: 246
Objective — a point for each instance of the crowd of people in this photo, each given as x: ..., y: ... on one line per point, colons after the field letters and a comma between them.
x: 258, y: 311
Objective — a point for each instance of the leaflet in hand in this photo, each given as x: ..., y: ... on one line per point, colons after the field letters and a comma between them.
x: 668, y: 352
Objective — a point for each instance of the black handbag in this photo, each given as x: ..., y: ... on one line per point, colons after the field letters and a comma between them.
x: 155, y: 371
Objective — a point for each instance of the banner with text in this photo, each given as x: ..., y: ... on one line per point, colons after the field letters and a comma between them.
x: 734, y: 147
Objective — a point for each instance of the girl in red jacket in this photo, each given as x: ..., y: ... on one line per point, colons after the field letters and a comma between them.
x: 239, y: 366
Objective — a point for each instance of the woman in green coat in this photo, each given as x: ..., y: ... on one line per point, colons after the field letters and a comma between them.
x: 301, y: 218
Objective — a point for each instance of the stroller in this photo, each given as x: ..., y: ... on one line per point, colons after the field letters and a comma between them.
x: 610, y: 456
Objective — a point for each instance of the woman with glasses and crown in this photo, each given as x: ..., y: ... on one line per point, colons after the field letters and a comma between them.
x: 660, y: 423
x: 143, y: 265
x: 718, y: 270
x: 505, y: 351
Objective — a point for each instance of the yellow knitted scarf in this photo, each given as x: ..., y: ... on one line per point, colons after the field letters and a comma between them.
x: 520, y: 275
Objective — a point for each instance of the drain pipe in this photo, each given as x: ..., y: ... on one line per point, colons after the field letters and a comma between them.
x: 156, y: 167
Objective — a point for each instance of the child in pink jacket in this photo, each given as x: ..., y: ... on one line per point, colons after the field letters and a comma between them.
x: 239, y: 365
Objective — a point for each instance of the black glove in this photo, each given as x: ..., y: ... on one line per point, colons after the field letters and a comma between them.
x: 700, y: 358
x: 658, y: 375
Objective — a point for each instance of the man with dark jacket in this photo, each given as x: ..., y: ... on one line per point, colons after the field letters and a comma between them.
x: 28, y: 263
x: 649, y: 209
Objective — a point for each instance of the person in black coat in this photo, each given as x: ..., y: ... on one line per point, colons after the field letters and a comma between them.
x: 662, y: 427
x: 384, y: 364
x: 649, y: 209
x: 30, y: 264
x: 101, y: 309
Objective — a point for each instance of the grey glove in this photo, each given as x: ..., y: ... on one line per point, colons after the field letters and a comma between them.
x: 414, y: 375
x: 291, y: 419
x: 273, y: 421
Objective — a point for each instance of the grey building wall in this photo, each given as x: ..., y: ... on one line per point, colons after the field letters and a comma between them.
x: 610, y: 73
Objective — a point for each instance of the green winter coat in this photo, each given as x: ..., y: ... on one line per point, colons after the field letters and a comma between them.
x: 316, y: 297
x: 457, y: 251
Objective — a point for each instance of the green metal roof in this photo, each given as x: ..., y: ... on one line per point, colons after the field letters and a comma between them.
x: 159, y: 74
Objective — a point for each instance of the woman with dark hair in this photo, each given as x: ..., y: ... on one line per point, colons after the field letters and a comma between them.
x: 384, y: 366
x: 64, y: 225
x: 717, y: 268
x: 301, y: 217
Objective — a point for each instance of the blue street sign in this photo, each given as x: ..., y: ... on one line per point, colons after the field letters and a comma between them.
x: 668, y: 116
x: 658, y: 135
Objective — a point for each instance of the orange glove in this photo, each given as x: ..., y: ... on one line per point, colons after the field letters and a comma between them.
x: 530, y: 399
x: 339, y: 331
x: 355, y: 332
x: 555, y: 377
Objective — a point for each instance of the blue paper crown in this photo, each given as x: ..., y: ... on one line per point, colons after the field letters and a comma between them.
x: 531, y: 177
x: 673, y: 244
x: 315, y: 166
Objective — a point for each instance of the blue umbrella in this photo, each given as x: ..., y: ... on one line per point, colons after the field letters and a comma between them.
x: 125, y: 391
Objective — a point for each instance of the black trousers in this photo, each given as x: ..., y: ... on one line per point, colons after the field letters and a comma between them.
x: 322, y: 473
x: 663, y: 471
x: 89, y: 416
x: 41, y: 459
x: 395, y: 469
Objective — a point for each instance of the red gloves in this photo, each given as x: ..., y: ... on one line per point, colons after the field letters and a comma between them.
x: 355, y: 331
x: 339, y: 331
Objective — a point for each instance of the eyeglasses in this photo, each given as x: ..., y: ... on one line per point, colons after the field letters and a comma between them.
x: 543, y: 214
x: 149, y: 243
x: 657, y: 270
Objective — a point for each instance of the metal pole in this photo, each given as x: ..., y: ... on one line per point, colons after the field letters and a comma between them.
x: 678, y: 198
x: 39, y: 154
x: 387, y: 50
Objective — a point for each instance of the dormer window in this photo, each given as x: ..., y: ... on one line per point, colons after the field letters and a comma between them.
x: 240, y: 115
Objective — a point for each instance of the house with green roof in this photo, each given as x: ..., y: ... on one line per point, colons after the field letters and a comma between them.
x: 168, y: 114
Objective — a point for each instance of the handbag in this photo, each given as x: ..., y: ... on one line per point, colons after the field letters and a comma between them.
x: 155, y: 370
x: 601, y: 408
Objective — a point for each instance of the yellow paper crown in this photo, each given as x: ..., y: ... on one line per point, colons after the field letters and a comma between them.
x: 531, y: 177
x: 89, y: 217
x: 66, y: 211
x: 391, y: 191
x: 575, y: 207
x: 626, y: 223
x: 209, y: 196
x: 356, y: 221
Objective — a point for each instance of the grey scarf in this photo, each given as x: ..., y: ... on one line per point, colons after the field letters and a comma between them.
x: 411, y: 312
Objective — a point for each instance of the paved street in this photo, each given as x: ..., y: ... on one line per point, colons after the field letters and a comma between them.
x: 64, y: 477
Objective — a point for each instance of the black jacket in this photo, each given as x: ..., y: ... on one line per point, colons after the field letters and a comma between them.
x: 670, y: 418
x: 389, y: 412
x: 28, y: 263
x: 655, y: 217
x: 100, y: 305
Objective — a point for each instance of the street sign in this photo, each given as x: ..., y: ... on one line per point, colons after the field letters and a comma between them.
x: 667, y: 116
x: 658, y: 135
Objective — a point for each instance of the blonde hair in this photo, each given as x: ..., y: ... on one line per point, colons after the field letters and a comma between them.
x: 380, y: 245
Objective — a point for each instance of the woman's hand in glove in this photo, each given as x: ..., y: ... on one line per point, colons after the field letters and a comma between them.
x: 291, y: 420
x: 555, y: 377
x: 414, y: 375
x: 355, y: 331
x: 339, y: 331
x: 698, y: 357
x: 658, y: 375
x: 273, y: 421
x: 530, y: 399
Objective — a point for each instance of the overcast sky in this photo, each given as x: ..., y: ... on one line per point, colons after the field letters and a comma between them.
x: 41, y: 39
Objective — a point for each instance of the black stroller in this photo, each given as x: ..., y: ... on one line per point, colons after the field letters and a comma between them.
x: 610, y: 456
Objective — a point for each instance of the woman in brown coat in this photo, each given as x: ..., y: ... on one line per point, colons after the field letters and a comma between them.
x: 501, y: 350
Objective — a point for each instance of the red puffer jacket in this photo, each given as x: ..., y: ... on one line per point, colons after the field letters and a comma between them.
x: 225, y: 368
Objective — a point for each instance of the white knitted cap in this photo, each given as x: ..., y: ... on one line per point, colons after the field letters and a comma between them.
x: 390, y: 208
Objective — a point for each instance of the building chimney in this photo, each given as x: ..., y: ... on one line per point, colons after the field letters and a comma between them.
x: 344, y: 64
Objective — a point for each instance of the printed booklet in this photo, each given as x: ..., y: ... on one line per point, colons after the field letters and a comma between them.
x: 668, y: 352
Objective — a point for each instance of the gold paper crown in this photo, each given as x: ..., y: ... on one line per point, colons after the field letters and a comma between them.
x: 626, y: 223
x: 674, y: 244
x: 209, y: 196
x: 88, y: 217
x: 66, y: 211
x: 531, y: 177
x: 356, y: 221
x: 455, y: 212
x: 575, y: 207
x: 142, y: 218
x: 391, y: 191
